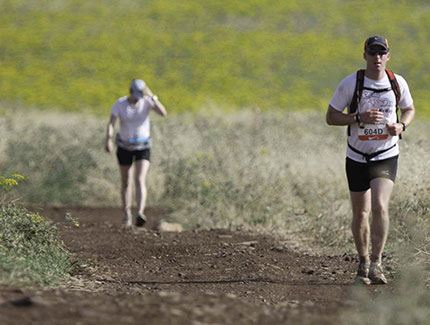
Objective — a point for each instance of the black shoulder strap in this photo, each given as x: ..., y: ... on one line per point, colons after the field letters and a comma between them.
x: 394, y: 85
x: 359, y: 84
x: 356, y: 97
x: 396, y: 89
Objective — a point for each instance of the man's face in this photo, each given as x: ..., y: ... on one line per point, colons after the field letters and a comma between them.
x: 376, y: 58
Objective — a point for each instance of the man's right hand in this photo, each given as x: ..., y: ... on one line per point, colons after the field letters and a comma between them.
x: 373, y: 116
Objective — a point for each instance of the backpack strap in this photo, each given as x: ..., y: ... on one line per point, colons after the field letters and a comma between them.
x: 382, y: 90
x: 396, y: 89
x: 369, y: 156
x: 394, y: 85
x: 358, y: 91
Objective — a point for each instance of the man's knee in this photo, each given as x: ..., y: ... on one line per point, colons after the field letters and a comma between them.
x: 379, y: 209
x: 360, y: 213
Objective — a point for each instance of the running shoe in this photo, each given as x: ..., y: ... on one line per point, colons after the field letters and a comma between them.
x: 362, y: 276
x: 376, y: 275
x: 140, y: 220
x: 126, y: 221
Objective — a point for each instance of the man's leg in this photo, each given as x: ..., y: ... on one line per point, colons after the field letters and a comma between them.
x: 361, y: 203
x: 381, y: 189
x: 126, y: 185
x: 142, y: 167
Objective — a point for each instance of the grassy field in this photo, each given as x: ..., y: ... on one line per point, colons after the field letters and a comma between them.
x: 78, y: 55
x: 274, y: 172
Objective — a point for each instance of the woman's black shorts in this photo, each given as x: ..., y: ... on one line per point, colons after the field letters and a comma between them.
x: 360, y: 174
x: 125, y: 157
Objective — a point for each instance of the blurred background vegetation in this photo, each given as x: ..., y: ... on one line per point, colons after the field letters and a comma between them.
x: 78, y: 55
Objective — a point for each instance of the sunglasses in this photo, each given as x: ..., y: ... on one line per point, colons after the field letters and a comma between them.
x: 376, y: 52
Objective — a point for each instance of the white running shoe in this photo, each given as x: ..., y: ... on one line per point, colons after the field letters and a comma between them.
x: 376, y: 275
x: 126, y: 221
x: 362, y: 276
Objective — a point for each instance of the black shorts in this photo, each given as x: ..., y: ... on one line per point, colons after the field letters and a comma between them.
x: 125, y: 157
x: 360, y: 174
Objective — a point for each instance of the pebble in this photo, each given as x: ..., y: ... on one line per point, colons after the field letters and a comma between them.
x: 25, y: 301
x: 308, y: 271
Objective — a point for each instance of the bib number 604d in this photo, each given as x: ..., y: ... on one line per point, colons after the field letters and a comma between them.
x: 372, y: 133
x: 375, y: 131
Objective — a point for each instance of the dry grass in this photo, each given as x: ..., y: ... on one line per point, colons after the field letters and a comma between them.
x: 274, y: 172
x: 281, y: 173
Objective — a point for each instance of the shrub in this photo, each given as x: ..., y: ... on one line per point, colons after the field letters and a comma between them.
x: 30, y: 251
x: 7, y: 183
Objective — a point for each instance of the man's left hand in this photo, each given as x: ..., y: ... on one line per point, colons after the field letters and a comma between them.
x: 394, y: 128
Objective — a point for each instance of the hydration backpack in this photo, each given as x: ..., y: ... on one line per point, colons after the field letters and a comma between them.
x: 359, y: 86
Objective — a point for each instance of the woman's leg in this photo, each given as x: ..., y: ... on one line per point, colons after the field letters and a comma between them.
x: 142, y: 167
x: 126, y: 186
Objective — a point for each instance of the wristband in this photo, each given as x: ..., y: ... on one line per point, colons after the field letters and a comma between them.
x: 357, y: 118
x: 404, y: 126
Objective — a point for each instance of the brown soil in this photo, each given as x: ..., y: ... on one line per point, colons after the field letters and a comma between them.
x: 132, y: 275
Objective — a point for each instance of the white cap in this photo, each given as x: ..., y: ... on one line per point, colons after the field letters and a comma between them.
x: 136, y: 88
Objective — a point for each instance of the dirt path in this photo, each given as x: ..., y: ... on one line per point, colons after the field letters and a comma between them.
x: 193, y: 277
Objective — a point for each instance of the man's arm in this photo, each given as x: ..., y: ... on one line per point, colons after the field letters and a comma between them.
x: 109, y: 133
x: 334, y: 117
x: 158, y: 107
x: 407, y: 116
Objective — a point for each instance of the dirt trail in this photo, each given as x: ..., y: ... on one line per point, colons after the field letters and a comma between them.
x: 193, y: 277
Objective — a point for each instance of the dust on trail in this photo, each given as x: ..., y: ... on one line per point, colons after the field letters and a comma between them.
x: 192, y: 277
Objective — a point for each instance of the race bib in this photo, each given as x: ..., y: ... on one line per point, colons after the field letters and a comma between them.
x: 372, y: 132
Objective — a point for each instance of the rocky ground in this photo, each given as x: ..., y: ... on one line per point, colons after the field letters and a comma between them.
x: 148, y: 276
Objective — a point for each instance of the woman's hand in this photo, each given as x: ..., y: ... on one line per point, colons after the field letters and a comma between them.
x: 109, y: 133
x: 109, y: 145
x: 148, y: 92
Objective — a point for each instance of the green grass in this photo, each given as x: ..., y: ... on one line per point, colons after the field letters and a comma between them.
x: 81, y: 55
x: 30, y: 251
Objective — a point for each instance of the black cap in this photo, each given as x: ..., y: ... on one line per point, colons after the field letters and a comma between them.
x: 376, y: 40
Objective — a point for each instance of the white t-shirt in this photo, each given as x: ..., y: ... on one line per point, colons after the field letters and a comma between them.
x: 371, y: 138
x: 134, y: 118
